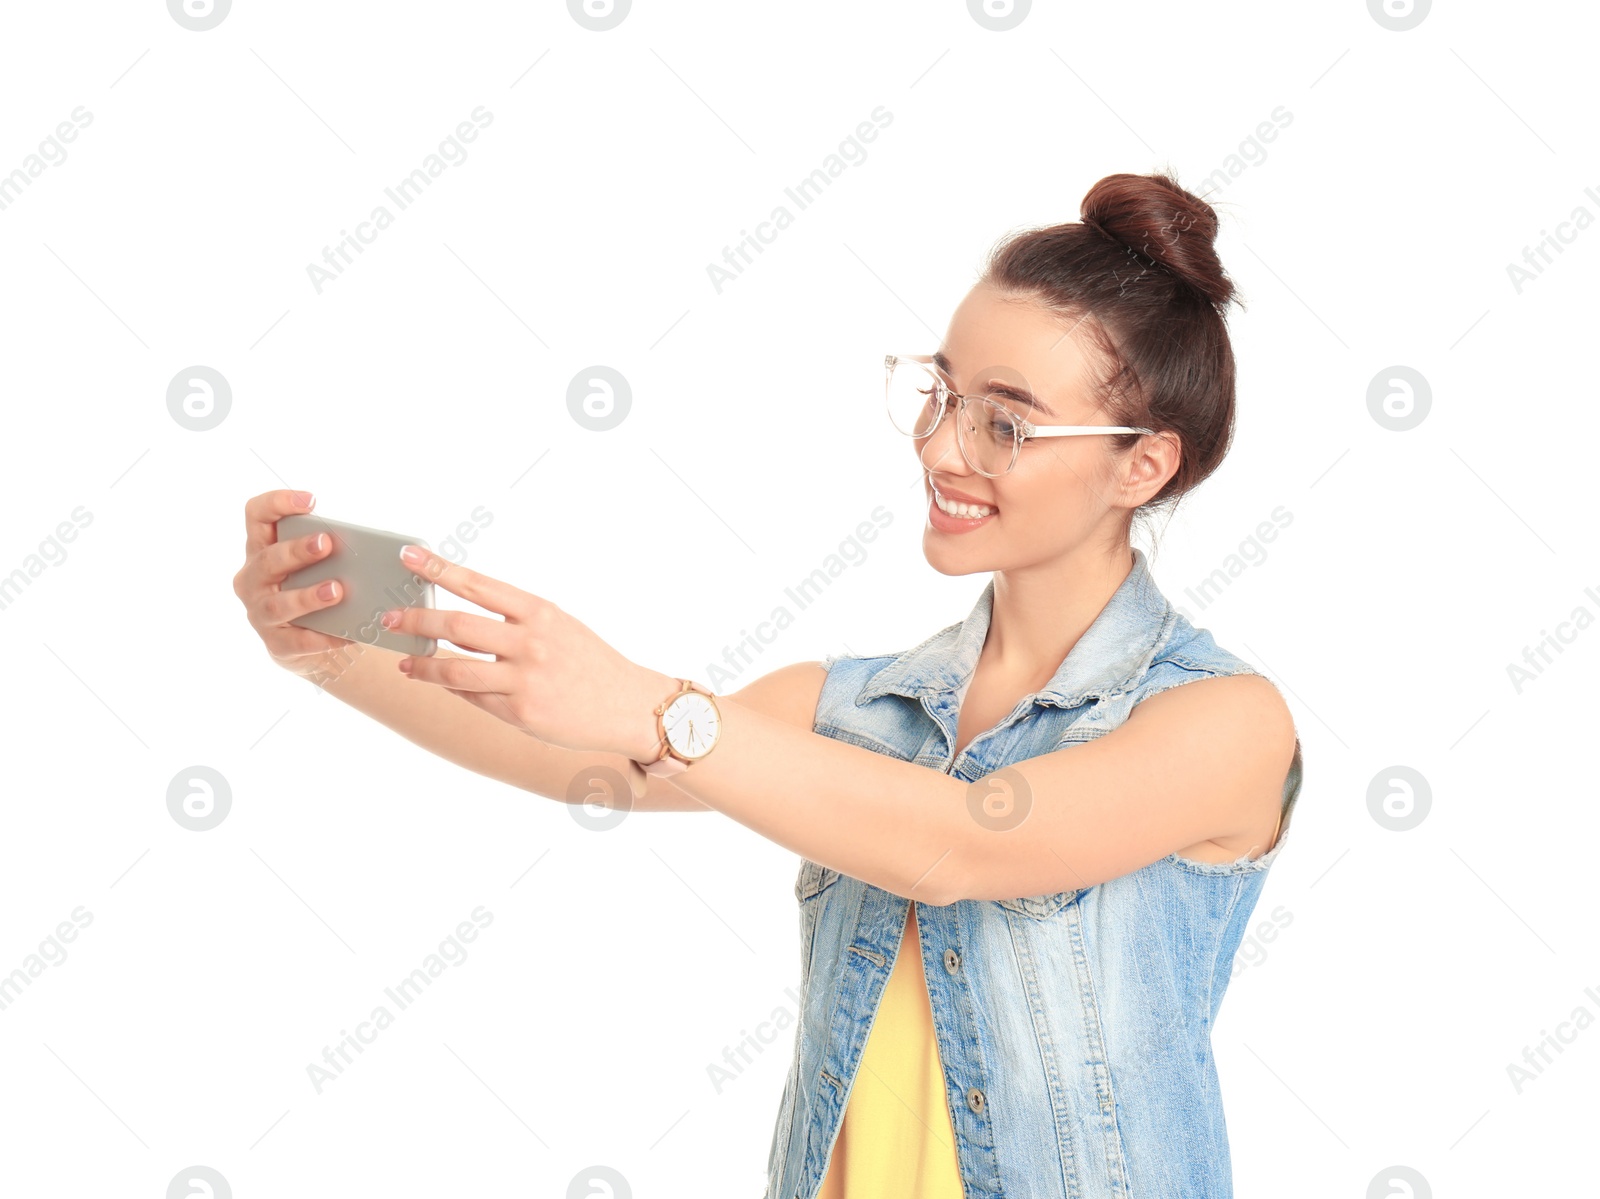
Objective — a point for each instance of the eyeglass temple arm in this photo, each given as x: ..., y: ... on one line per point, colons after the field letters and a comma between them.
x: 1078, y: 430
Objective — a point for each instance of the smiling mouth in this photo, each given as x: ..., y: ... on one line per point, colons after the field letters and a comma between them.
x: 961, y: 508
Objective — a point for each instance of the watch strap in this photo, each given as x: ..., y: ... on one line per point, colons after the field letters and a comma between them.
x: 666, y: 766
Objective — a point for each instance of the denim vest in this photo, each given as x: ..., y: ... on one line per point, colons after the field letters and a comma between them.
x: 1074, y: 1028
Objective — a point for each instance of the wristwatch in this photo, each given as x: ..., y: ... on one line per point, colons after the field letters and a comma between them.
x: 688, y: 725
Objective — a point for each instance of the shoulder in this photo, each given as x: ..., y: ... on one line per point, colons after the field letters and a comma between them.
x: 1191, y: 655
x: 1232, y: 740
x: 1197, y: 691
x: 1234, y: 727
x: 1245, y: 702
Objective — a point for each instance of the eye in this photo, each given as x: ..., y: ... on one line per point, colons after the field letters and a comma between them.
x: 1001, y: 424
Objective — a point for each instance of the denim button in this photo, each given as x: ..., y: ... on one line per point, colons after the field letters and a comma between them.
x: 952, y: 961
x: 975, y: 1100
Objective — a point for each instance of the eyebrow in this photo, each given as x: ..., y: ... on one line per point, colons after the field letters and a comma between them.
x: 999, y: 387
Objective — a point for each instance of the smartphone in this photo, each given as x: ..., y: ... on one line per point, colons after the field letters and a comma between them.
x: 366, y: 562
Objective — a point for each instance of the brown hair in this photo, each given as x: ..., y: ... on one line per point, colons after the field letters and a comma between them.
x: 1140, y: 271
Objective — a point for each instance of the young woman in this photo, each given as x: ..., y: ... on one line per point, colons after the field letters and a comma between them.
x: 1030, y: 844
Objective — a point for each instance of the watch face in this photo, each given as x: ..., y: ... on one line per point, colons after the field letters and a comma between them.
x: 692, y: 724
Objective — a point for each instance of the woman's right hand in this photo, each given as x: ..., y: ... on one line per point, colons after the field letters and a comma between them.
x: 259, y: 583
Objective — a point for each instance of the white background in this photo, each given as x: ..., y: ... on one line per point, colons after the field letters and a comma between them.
x: 430, y: 378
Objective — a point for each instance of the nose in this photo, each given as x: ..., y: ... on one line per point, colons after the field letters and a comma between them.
x: 946, y: 455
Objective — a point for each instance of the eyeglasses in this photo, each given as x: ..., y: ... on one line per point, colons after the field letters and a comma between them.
x: 989, y: 428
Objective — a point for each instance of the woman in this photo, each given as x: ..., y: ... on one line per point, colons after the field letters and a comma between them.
x: 1081, y: 792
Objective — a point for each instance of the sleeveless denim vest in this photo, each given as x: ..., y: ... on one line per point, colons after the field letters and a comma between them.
x: 1074, y: 1028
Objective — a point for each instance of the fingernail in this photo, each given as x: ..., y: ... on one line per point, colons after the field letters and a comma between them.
x: 410, y: 554
x: 305, y: 499
x: 390, y: 619
x: 317, y: 543
x: 326, y: 590
x: 405, y: 665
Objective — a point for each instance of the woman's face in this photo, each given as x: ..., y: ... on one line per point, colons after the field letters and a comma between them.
x: 1063, y: 492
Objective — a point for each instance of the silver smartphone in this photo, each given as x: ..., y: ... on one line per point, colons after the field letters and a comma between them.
x: 366, y: 562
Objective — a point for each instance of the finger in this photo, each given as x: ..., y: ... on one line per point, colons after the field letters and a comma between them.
x: 493, y: 594
x: 272, y: 564
x: 280, y: 607
x: 471, y: 649
x: 464, y: 674
x: 261, y: 513
x: 465, y: 629
x: 276, y: 562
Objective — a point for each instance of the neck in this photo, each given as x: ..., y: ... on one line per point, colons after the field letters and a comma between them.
x: 1040, y: 612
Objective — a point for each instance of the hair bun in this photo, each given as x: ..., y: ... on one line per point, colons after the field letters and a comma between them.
x: 1161, y: 223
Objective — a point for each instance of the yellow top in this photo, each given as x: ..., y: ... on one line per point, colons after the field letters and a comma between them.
x: 896, y: 1140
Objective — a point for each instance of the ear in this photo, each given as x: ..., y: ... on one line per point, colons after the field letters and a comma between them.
x: 1149, y: 465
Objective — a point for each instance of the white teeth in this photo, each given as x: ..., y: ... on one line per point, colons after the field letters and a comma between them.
x: 968, y: 511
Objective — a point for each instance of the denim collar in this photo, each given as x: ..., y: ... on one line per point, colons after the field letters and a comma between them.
x: 1113, y: 653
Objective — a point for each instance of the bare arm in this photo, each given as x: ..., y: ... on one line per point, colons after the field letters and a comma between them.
x: 442, y: 724
x: 1196, y: 765
x: 368, y: 679
x: 459, y: 732
x: 1203, y: 761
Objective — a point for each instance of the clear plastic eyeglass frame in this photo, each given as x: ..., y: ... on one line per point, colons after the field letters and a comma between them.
x: 1023, y: 429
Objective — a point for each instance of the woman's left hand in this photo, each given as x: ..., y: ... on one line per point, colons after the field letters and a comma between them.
x: 552, y: 676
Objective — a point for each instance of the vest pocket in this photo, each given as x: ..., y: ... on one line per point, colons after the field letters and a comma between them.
x: 813, y: 880
x: 1039, y: 906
